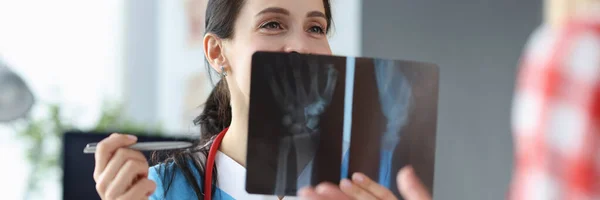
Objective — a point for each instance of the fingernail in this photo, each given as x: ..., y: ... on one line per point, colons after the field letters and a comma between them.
x: 411, y: 172
x: 321, y: 188
x: 406, y: 178
x: 346, y: 183
x: 358, y: 177
x: 305, y: 191
x: 132, y: 137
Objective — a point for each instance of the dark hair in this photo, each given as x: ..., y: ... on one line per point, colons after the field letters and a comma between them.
x: 216, y: 116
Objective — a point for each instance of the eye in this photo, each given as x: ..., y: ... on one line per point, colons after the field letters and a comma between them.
x: 316, y: 29
x: 271, y: 25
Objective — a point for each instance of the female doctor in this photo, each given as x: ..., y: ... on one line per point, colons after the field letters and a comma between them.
x: 235, y: 29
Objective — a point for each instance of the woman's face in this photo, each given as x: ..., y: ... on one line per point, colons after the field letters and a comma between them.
x: 273, y: 25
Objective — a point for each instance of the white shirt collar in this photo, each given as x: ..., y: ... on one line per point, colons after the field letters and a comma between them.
x: 232, y: 180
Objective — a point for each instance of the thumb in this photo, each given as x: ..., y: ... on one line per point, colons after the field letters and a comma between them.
x: 410, y: 186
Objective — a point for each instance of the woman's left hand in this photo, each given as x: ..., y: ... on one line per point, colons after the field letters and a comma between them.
x: 363, y: 188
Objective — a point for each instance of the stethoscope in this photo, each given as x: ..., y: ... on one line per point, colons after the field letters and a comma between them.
x: 210, y: 161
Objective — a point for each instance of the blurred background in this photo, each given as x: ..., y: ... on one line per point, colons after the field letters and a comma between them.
x: 138, y: 65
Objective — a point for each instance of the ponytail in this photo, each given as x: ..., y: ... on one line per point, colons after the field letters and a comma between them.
x: 215, y: 117
x: 217, y: 112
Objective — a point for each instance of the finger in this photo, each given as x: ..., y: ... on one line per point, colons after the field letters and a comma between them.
x: 107, y: 147
x: 410, y: 186
x: 323, y: 191
x: 331, y: 191
x: 121, y: 156
x: 332, y: 75
x: 277, y: 91
x: 309, y: 193
x: 300, y: 91
x: 314, y: 83
x: 126, y: 176
x: 355, y: 191
x: 141, y: 190
x: 287, y: 88
x: 372, y: 187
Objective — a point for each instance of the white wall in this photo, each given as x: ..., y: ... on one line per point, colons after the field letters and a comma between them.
x: 140, y: 57
x: 69, y: 52
x: 178, y: 62
x: 347, y: 20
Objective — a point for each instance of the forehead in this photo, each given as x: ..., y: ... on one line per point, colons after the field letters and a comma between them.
x: 295, y: 7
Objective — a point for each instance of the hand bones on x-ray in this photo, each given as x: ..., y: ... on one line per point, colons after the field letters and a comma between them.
x: 302, y: 110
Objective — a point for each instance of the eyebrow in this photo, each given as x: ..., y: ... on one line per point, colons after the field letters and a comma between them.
x: 283, y: 11
x: 316, y: 14
x: 274, y: 10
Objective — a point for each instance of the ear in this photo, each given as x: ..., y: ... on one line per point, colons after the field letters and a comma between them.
x: 213, y: 50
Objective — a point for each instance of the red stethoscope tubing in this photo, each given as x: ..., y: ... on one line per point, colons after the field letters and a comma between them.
x: 210, y: 161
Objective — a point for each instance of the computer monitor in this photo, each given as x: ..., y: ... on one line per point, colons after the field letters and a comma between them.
x: 78, y: 168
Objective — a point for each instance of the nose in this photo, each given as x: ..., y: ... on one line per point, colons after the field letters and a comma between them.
x: 296, y: 49
x: 297, y: 44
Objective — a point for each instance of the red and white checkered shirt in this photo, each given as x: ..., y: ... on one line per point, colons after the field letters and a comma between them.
x: 556, y: 115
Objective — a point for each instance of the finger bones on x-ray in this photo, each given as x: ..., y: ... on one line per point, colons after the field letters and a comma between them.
x: 302, y: 108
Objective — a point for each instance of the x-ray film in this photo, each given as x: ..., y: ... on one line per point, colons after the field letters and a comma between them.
x: 316, y: 118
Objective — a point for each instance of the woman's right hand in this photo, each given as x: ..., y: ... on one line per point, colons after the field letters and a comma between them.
x: 362, y: 188
x: 121, y: 173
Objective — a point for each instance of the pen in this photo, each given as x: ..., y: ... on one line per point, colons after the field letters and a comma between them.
x: 145, y: 146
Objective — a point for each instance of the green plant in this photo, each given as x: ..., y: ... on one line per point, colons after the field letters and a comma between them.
x: 43, y: 137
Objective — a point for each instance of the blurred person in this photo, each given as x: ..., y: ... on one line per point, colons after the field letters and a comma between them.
x: 556, y: 113
x: 234, y: 30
